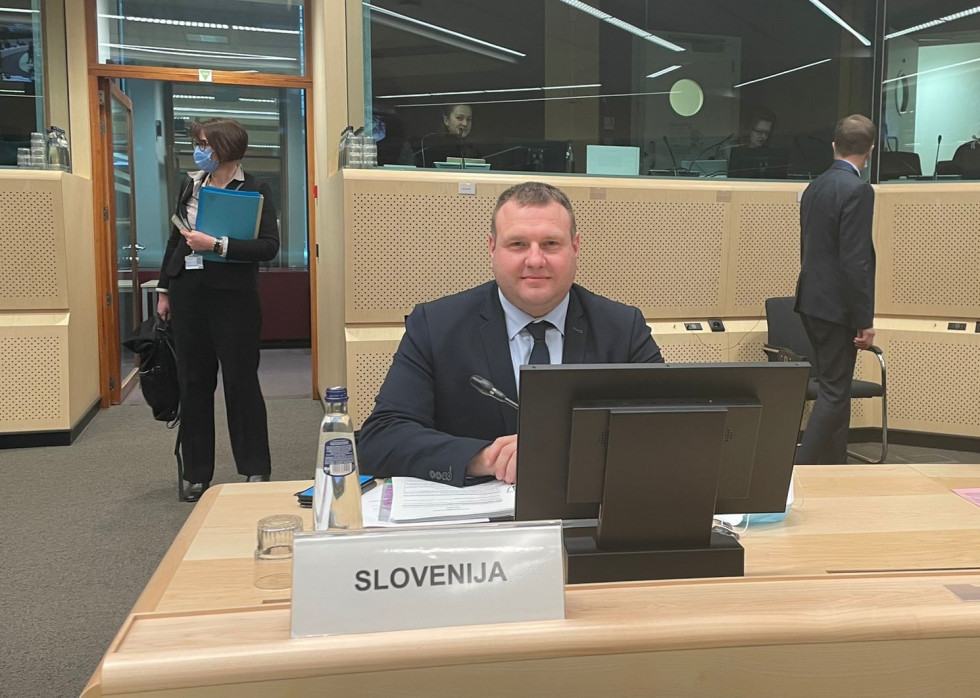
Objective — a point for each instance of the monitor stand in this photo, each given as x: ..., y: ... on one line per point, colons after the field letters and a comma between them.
x: 658, y: 499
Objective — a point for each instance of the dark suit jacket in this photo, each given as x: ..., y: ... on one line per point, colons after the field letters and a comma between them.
x: 228, y: 275
x: 428, y: 422
x: 837, y: 257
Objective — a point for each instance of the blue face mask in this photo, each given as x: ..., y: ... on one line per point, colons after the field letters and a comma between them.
x: 202, y: 158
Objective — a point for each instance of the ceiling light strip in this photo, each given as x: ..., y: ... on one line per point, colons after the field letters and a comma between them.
x: 776, y: 75
x: 622, y: 24
x: 443, y: 30
x: 934, y: 22
x: 473, y: 92
x: 663, y: 72
x: 834, y: 16
x: 194, y: 53
x: 931, y: 70
x: 543, y: 99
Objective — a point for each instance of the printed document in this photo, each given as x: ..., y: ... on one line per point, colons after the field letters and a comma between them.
x: 421, y: 500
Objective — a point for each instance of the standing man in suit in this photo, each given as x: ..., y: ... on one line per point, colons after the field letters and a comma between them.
x: 835, y: 294
x: 428, y: 422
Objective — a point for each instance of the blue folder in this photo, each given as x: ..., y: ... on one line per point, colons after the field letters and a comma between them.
x: 228, y: 212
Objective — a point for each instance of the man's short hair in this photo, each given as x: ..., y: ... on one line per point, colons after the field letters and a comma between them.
x: 532, y: 194
x: 227, y: 137
x: 854, y: 135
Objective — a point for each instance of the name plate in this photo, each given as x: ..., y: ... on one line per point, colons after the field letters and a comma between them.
x: 400, y: 579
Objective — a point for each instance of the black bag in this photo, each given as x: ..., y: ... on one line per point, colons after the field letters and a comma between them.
x: 153, y: 340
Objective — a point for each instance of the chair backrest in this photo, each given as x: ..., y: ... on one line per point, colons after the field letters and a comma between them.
x: 785, y: 326
x: 898, y: 163
x: 967, y: 157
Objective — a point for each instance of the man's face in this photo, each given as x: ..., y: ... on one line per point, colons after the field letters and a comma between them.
x: 460, y: 121
x: 759, y: 135
x: 534, y: 256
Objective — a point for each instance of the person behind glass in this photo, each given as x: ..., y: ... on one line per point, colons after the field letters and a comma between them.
x: 754, y: 157
x: 216, y: 315
x: 760, y: 130
x: 457, y: 119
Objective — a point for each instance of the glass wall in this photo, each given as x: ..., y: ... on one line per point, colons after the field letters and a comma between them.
x: 21, y: 71
x: 247, y: 36
x: 704, y: 88
x: 931, y: 91
x: 162, y: 153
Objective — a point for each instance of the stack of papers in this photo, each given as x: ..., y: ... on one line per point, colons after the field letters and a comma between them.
x: 408, y: 500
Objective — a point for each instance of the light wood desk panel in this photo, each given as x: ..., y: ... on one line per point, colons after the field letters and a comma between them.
x: 794, y: 626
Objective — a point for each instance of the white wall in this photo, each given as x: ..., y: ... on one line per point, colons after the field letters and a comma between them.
x: 948, y: 100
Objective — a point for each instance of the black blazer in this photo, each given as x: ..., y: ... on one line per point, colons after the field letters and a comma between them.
x: 837, y: 256
x: 428, y: 422
x: 224, y: 274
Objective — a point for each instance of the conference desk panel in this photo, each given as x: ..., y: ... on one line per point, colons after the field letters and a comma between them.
x: 799, y: 623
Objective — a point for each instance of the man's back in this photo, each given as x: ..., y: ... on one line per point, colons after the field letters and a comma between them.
x: 837, y: 257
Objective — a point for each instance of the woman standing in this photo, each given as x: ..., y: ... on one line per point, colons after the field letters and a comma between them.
x: 216, y: 313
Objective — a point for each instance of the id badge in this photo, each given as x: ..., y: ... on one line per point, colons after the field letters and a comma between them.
x: 193, y: 261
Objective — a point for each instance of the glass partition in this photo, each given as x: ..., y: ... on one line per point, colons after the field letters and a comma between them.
x: 702, y: 88
x: 275, y: 120
x: 21, y: 71
x: 246, y: 36
x: 931, y: 91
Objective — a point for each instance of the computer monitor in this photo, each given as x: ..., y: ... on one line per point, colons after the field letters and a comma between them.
x: 758, y: 163
x: 528, y: 155
x: 653, y: 451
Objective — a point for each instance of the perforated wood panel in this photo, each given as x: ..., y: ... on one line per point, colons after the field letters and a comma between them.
x: 406, y: 248
x: 933, y: 381
x: 936, y: 254
x: 664, y: 257
x: 680, y: 346
x: 929, y: 252
x: 663, y: 251
x: 367, y: 365
x: 32, y: 247
x: 766, y: 254
x: 32, y: 379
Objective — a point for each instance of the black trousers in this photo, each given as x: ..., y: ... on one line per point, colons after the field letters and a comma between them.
x: 212, y: 326
x: 834, y: 354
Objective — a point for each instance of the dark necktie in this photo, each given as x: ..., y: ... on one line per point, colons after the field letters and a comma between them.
x: 539, y: 352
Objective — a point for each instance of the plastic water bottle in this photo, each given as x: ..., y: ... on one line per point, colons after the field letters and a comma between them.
x: 336, y: 488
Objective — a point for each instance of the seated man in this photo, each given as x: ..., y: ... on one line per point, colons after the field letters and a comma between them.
x: 428, y: 422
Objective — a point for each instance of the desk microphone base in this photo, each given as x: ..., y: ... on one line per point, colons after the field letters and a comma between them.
x: 587, y: 564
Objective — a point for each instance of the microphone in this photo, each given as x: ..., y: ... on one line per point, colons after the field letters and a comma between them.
x: 422, y: 144
x: 671, y: 153
x: 935, y: 166
x: 485, y: 387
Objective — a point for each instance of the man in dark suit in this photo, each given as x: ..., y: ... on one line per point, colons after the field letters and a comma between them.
x: 835, y: 292
x: 427, y: 421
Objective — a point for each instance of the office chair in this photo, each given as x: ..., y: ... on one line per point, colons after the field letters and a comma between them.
x: 788, y: 341
x: 965, y: 162
x: 898, y: 163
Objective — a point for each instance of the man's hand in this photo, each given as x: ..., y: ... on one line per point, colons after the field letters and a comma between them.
x: 198, y: 241
x: 163, y: 306
x: 498, y: 459
x: 864, y: 338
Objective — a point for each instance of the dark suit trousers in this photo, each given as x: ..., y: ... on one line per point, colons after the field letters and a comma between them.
x: 834, y: 354
x: 213, y: 325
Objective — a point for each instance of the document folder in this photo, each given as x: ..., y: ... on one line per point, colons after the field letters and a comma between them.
x: 228, y: 213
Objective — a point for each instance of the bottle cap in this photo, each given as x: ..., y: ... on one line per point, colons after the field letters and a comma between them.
x: 336, y: 394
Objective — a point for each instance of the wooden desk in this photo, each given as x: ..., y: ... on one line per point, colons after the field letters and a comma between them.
x: 849, y: 595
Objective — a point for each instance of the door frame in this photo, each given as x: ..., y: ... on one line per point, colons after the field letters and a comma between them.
x: 105, y: 277
x: 118, y: 383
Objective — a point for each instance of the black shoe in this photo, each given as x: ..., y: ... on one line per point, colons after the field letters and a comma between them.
x: 194, y: 490
x: 256, y: 478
